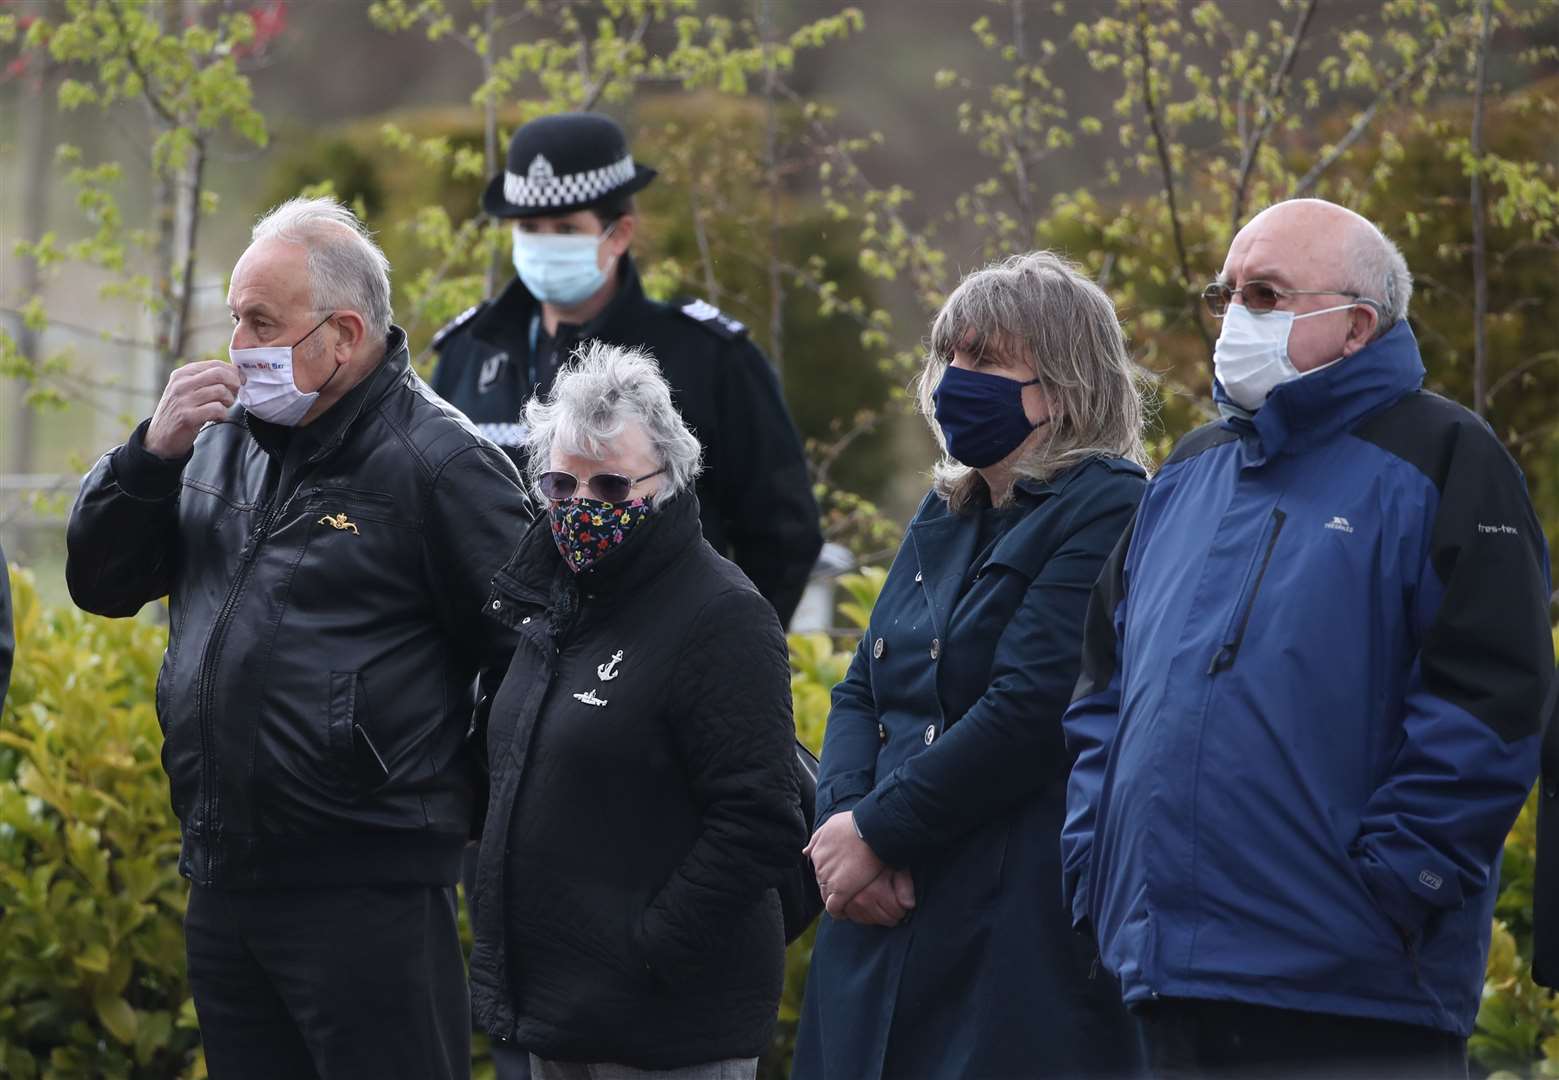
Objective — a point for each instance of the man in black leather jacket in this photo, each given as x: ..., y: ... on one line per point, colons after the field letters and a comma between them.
x: 326, y: 530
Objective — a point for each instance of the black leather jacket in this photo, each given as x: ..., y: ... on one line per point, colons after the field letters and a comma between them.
x: 324, y: 649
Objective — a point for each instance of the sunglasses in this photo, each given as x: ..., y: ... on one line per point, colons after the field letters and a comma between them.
x: 608, y: 487
x: 1259, y: 297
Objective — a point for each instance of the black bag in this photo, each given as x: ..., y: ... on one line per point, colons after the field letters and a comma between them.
x: 799, y: 897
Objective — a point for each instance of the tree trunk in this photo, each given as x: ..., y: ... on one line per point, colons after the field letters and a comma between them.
x: 771, y: 167
x: 1480, y: 272
x: 38, y: 156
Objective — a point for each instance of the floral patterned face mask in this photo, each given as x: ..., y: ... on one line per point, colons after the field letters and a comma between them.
x: 586, y: 529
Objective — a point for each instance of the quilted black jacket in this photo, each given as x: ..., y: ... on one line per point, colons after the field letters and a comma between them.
x: 322, y: 659
x: 643, y: 806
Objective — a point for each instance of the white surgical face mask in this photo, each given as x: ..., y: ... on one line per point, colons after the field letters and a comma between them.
x: 1251, y: 357
x: 269, y: 391
x: 559, y: 270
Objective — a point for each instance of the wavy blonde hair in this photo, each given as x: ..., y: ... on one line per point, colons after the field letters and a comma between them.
x: 1040, y: 310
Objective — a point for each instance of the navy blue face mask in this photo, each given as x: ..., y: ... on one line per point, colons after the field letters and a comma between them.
x: 981, y: 415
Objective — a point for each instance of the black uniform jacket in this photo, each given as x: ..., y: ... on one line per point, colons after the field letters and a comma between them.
x: 643, y: 806
x: 322, y: 662
x: 755, y: 491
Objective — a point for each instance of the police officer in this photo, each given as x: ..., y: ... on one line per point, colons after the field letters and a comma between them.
x: 568, y: 188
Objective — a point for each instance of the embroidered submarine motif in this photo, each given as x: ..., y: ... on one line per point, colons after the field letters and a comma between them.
x: 608, y: 671
x: 338, y: 521
x: 589, y: 698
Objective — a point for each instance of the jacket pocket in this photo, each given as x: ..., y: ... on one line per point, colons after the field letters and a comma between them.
x: 1234, y: 636
x: 352, y: 751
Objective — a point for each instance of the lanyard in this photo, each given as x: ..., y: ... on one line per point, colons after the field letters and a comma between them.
x: 530, y: 359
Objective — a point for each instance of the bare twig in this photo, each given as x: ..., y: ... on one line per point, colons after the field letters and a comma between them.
x: 701, y: 237
x: 828, y: 455
x: 1480, y: 265
x: 87, y: 331
x: 1512, y: 375
x: 1266, y: 116
x: 1161, y: 145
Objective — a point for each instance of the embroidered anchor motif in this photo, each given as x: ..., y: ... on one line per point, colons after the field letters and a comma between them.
x: 608, y: 671
x: 338, y: 521
x: 589, y: 698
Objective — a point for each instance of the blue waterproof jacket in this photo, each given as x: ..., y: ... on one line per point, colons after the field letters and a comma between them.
x: 1312, y: 677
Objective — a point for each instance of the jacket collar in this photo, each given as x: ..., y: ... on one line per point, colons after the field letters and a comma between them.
x: 665, y: 536
x: 328, y: 431
x: 1306, y: 411
x: 511, y: 313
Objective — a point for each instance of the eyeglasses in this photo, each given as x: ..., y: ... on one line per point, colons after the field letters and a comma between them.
x: 1259, y: 297
x: 608, y: 487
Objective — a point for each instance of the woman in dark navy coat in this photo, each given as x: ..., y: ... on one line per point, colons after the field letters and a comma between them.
x: 947, y: 952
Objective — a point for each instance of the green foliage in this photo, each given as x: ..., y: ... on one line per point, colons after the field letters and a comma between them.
x: 93, y: 979
x: 817, y: 664
x: 181, y: 66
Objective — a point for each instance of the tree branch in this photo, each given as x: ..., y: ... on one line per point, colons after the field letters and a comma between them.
x: 1266, y: 116
x: 1162, y: 148
x: 134, y: 61
x: 1307, y: 183
x: 1516, y: 373
x: 594, y: 91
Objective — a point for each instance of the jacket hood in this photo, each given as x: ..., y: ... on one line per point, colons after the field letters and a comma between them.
x: 1312, y: 408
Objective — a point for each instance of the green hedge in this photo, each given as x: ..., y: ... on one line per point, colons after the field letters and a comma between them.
x: 92, y: 980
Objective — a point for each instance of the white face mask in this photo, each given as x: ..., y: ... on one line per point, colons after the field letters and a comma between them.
x: 558, y: 269
x: 269, y: 391
x: 1251, y: 357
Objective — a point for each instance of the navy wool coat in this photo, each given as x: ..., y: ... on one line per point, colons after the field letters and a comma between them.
x: 945, y: 740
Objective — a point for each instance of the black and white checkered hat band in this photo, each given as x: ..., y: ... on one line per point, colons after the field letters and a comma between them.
x: 541, y: 187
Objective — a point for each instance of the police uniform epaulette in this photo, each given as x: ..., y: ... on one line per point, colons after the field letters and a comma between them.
x: 457, y: 322
x: 713, y: 319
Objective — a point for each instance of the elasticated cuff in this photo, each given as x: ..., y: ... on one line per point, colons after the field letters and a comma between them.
x: 142, y: 474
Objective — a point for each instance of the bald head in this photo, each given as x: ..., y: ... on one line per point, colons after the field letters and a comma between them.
x: 1332, y: 255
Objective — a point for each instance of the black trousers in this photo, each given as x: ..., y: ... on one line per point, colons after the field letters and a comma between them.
x: 329, y: 984
x: 1188, y: 1038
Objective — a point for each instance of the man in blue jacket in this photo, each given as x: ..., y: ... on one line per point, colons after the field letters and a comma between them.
x: 1312, y: 677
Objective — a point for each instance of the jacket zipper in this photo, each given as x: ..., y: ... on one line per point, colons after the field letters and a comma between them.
x: 213, y: 650
x: 1223, y: 660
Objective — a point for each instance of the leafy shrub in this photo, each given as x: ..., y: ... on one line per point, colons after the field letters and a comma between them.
x: 92, y: 979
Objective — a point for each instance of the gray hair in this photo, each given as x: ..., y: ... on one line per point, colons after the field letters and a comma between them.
x: 1375, y: 269
x: 594, y: 397
x: 1041, y: 310
x: 347, y: 271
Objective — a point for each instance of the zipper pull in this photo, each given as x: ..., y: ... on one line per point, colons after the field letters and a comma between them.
x: 1222, y: 660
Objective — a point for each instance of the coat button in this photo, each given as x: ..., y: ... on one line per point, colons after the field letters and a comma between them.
x: 919, y: 577
x: 930, y: 733
x: 497, y: 604
x: 525, y: 621
x: 877, y: 649
x: 882, y: 733
x: 936, y: 648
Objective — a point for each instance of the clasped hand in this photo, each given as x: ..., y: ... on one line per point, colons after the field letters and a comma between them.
x: 853, y: 882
